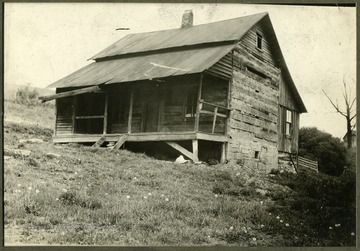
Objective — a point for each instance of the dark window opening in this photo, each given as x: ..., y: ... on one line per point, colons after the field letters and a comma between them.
x: 190, y: 104
x: 257, y: 154
x: 258, y: 41
x: 89, y: 113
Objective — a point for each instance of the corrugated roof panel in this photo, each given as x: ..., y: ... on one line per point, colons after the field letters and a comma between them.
x: 145, y: 67
x: 227, y: 30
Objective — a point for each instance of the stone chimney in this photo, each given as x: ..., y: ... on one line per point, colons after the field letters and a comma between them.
x: 187, y: 19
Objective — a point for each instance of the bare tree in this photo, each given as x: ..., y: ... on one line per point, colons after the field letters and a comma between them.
x: 347, y: 113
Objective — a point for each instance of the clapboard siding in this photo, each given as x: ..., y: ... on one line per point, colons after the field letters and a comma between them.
x: 222, y: 68
x: 249, y: 43
x: 286, y: 98
x: 64, y: 115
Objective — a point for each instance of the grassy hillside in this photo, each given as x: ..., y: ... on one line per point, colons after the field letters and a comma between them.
x: 71, y: 194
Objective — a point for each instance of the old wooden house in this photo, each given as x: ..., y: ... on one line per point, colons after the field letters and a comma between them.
x: 221, y: 87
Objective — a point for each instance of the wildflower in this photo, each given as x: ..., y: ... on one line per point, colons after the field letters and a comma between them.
x: 19, y: 185
x: 352, y: 234
x: 216, y: 195
x: 254, y: 239
x: 278, y: 217
x: 135, y: 178
x: 262, y: 225
x: 261, y: 202
x: 149, y: 194
x: 237, y: 174
x: 89, y: 185
x: 37, y: 191
x: 281, y: 221
x: 208, y: 236
x: 64, y: 190
x: 330, y: 228
x: 29, y: 188
x: 269, y: 213
x: 231, y: 228
x: 337, y: 225
x: 287, y: 224
x: 42, y: 182
x: 57, y: 199
x: 162, y: 195
x: 76, y: 173
x: 166, y: 199
x: 145, y: 197
x: 127, y: 196
x: 106, y: 194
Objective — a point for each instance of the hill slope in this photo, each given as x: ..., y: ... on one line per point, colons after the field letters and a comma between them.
x: 72, y: 194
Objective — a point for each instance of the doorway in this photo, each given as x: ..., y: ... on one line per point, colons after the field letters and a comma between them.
x: 151, y: 110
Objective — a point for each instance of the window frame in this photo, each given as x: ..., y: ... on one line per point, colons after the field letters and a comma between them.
x: 191, y: 95
x: 259, y: 41
x: 288, y: 123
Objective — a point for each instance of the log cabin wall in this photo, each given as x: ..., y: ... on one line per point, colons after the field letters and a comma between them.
x: 254, y: 103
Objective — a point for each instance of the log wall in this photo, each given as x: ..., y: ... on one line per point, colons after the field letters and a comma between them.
x: 253, y: 121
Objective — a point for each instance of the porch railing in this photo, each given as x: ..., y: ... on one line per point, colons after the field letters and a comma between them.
x: 217, y: 111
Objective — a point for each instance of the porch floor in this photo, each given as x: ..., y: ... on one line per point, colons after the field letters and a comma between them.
x: 140, y: 137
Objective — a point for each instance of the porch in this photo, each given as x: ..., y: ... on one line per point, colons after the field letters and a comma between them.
x: 175, y: 109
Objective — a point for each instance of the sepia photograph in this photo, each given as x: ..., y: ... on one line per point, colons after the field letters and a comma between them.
x: 179, y: 124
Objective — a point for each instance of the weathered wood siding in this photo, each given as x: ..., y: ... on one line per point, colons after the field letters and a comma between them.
x: 64, y: 115
x: 254, y: 103
x: 248, y: 42
x: 287, y: 102
x: 288, y: 143
x: 172, y: 118
x: 222, y: 69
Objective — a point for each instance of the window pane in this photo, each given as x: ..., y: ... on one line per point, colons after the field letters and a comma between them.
x: 288, y: 116
x: 287, y: 131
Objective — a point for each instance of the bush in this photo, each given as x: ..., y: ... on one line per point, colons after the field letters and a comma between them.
x: 329, y: 151
x: 26, y: 96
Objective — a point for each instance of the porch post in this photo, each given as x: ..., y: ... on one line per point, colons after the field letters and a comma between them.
x: 106, y: 112
x: 195, y: 150
x: 197, y: 118
x: 223, y: 152
x: 131, y: 109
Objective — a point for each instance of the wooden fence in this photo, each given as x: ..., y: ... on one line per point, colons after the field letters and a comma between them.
x: 309, y: 164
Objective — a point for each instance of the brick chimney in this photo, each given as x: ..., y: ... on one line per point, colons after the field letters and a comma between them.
x: 187, y: 19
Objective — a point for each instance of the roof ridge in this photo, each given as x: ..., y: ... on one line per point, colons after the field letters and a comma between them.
x: 219, y: 21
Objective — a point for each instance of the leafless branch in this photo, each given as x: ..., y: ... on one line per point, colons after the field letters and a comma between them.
x: 352, y: 117
x: 335, y: 106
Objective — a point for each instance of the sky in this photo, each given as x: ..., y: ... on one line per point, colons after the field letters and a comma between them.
x: 47, y: 41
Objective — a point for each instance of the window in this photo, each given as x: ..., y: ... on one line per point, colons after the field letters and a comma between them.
x: 190, y: 104
x: 288, y: 123
x: 258, y: 41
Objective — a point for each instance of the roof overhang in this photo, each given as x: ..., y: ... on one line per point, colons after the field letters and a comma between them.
x: 147, y: 67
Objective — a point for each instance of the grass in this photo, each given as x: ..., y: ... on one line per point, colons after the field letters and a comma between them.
x: 91, y: 196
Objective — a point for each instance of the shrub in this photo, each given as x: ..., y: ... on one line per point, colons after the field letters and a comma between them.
x: 26, y: 96
x: 329, y: 151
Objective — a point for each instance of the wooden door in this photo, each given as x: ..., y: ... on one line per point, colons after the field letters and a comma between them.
x: 151, y: 111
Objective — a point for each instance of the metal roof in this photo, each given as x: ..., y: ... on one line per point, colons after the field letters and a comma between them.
x: 173, y: 52
x: 151, y: 66
x: 227, y: 30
